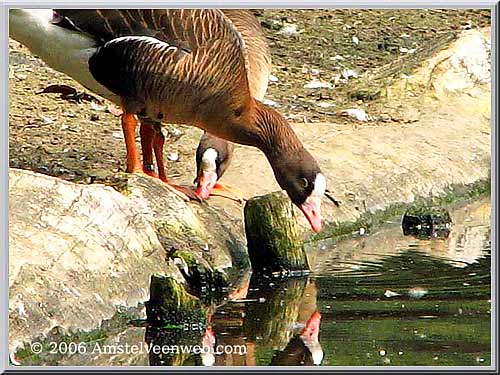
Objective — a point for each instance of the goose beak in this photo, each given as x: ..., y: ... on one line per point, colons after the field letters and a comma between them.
x: 206, y: 183
x: 312, y: 210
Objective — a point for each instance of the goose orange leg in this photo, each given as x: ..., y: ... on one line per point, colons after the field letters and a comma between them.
x: 228, y: 191
x: 182, y: 191
x: 129, y: 123
x: 153, y: 140
x: 147, y: 133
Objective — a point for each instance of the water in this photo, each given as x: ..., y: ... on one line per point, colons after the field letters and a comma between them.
x: 379, y: 300
x: 384, y: 299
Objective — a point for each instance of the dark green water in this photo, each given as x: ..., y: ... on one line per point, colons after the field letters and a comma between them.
x: 382, y: 299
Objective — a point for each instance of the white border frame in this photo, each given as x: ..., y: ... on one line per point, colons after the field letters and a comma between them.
x: 493, y: 5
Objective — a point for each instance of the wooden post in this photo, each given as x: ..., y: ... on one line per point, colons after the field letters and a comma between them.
x: 274, y: 244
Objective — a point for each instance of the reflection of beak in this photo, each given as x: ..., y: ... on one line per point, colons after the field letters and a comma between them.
x: 206, y: 183
x: 311, y: 330
x: 312, y: 210
x: 310, y: 337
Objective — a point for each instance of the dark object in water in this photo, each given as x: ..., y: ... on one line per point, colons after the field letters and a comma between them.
x: 171, y: 307
x: 426, y: 221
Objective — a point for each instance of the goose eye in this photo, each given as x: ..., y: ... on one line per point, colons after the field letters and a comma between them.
x: 304, y: 182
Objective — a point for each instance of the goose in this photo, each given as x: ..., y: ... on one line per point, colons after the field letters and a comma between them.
x: 213, y: 154
x: 183, y: 66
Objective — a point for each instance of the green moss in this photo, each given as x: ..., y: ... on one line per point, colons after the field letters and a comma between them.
x: 171, y: 304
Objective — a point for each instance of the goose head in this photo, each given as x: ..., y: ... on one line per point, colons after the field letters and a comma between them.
x: 208, y: 173
x: 295, y: 169
x: 300, y: 176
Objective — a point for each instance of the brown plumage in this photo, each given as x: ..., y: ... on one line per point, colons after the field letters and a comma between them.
x: 189, y: 67
x: 216, y: 150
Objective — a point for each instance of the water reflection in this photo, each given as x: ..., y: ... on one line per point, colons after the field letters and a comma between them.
x: 377, y: 300
x: 276, y: 316
x: 384, y: 299
x: 467, y: 242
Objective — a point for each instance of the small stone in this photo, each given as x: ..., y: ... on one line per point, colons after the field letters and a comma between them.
x: 273, y: 78
x: 269, y: 102
x: 348, y: 73
x: 118, y: 135
x: 289, y: 30
x: 417, y: 292
x: 173, y: 156
x: 46, y: 120
x: 356, y: 113
x: 315, y: 84
x: 389, y: 293
x: 325, y: 105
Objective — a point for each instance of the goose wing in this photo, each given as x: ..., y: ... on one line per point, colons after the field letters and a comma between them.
x: 152, y: 56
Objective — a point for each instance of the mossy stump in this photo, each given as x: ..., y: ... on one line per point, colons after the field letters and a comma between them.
x: 170, y: 306
x: 274, y: 244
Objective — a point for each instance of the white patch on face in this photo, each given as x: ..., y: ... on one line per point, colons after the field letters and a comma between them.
x: 208, y: 160
x: 319, y: 186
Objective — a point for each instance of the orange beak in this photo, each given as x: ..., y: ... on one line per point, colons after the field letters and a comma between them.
x: 312, y: 210
x: 206, y: 183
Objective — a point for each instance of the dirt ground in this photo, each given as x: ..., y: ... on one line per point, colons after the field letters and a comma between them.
x: 82, y: 141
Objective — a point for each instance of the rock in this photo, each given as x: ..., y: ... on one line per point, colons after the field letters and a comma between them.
x: 315, y: 84
x: 427, y: 221
x: 204, y: 238
x: 80, y: 252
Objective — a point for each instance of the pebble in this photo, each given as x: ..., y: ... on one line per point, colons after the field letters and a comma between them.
x: 358, y: 114
x: 289, y: 30
x: 348, y: 73
x: 173, y: 156
x: 389, y: 293
x: 318, y: 85
x: 273, y: 78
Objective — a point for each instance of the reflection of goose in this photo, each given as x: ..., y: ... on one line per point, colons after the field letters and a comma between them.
x: 303, y: 349
x: 185, y: 66
x: 208, y: 344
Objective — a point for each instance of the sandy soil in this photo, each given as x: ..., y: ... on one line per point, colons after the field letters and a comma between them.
x: 82, y: 141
